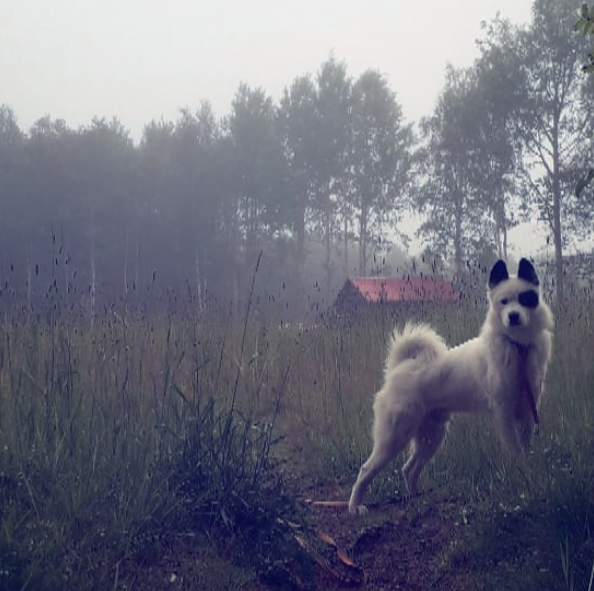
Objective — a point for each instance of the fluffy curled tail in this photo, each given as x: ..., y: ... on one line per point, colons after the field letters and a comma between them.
x: 416, y: 341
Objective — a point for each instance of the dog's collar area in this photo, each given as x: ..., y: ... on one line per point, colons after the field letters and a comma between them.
x: 522, y: 348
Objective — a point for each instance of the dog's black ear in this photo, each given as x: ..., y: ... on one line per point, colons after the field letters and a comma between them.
x: 498, y: 274
x: 527, y: 273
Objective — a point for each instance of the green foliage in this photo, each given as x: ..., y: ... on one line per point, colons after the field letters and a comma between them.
x: 583, y: 183
x: 585, y: 25
x: 380, y: 160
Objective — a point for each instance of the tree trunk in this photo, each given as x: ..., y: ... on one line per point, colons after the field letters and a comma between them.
x: 500, y: 228
x: 300, y: 254
x: 327, y: 223
x: 346, y: 245
x: 557, y: 234
x: 558, y: 240
x: 458, y: 235
x: 363, y: 244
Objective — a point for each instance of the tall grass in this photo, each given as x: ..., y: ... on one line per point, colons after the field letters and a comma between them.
x: 114, y: 435
x: 122, y: 437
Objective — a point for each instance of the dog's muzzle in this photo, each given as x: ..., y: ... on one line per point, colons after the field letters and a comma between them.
x: 514, y: 319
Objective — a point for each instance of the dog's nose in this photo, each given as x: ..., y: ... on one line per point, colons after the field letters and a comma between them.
x: 514, y: 318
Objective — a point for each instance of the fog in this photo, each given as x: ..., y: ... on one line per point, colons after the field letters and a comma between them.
x: 156, y: 152
x: 142, y: 60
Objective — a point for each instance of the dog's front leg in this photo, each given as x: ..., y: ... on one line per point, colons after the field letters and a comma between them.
x: 526, y: 429
x: 527, y: 419
x: 505, y: 422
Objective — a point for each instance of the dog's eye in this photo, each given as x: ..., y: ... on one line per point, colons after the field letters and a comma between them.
x: 504, y: 301
x: 528, y: 299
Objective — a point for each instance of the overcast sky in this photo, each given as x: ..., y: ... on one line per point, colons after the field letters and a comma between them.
x: 145, y: 59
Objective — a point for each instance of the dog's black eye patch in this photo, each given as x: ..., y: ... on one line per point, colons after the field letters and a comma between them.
x: 528, y: 299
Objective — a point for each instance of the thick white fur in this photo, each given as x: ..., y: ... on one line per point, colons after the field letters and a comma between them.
x: 424, y: 382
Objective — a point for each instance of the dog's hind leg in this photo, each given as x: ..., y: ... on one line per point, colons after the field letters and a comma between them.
x: 426, y: 442
x: 392, y: 433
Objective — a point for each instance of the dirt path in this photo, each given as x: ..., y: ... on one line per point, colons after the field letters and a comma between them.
x: 437, y: 540
x: 399, y: 544
x: 440, y: 539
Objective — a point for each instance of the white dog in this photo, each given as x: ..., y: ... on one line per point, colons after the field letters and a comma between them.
x: 501, y: 371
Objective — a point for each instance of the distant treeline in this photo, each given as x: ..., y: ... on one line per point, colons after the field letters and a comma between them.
x: 332, y: 166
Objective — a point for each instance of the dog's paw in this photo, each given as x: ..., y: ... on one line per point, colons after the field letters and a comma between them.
x: 358, y: 510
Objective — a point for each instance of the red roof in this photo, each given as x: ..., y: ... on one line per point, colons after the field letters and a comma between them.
x: 388, y: 289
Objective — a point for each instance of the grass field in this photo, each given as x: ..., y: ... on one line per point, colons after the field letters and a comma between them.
x: 171, y: 451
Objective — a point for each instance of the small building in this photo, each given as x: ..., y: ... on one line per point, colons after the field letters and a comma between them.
x: 363, y: 292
